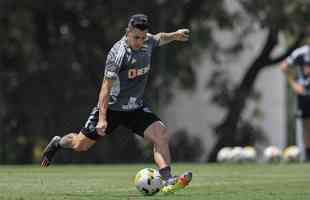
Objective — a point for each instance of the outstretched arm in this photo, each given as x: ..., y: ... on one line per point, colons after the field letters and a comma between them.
x: 297, y: 88
x: 179, y: 35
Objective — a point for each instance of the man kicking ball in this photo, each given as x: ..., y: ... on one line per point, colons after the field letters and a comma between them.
x: 121, y: 100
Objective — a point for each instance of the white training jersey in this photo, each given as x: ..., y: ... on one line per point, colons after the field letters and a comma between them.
x: 301, y: 58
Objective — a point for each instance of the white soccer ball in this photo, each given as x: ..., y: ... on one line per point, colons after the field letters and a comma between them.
x: 249, y: 154
x: 291, y: 154
x: 148, y: 181
x: 224, y: 155
x: 236, y: 154
x: 272, y: 154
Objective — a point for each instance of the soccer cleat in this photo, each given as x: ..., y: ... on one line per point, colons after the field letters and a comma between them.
x: 50, y: 151
x: 179, y: 182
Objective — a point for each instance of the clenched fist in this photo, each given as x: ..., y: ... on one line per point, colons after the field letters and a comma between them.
x: 101, y: 127
x: 182, y: 35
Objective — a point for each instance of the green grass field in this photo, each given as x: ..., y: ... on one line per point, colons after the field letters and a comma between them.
x: 107, y: 182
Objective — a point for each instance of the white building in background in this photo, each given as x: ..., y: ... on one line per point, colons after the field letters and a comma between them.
x: 194, y: 112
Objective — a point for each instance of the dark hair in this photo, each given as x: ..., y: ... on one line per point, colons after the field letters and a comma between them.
x: 139, y: 21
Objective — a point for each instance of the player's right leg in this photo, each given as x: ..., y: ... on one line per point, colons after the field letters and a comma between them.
x: 78, y: 142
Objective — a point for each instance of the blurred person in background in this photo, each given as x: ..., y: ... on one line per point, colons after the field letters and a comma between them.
x: 121, y: 101
x: 300, y: 58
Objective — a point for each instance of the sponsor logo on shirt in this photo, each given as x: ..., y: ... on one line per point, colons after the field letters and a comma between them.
x: 134, y: 72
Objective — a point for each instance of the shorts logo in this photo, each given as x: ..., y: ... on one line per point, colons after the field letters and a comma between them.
x: 146, y: 109
x: 134, y: 72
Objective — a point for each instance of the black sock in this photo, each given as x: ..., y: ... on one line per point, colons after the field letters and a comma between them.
x: 307, y: 154
x: 63, y: 144
x: 57, y: 145
x: 165, y: 172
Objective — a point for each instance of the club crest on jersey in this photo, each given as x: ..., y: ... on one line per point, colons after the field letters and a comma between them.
x: 134, y: 72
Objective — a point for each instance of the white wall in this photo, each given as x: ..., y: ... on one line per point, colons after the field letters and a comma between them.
x: 193, y: 111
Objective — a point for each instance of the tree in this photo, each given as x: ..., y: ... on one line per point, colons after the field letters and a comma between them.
x: 276, y: 18
x: 52, y: 57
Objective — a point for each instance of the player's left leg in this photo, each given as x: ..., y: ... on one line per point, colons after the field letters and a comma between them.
x: 146, y: 124
x: 157, y: 134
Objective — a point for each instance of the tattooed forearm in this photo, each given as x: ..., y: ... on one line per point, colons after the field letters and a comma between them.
x: 179, y: 35
x: 165, y: 38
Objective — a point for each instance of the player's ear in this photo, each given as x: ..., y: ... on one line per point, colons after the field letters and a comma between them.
x: 126, y: 31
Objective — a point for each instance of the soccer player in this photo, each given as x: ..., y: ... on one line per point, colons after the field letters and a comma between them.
x: 121, y: 100
x: 301, y: 86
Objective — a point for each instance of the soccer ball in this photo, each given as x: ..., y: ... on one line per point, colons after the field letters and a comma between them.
x: 248, y: 154
x: 236, y: 154
x: 224, y: 155
x: 291, y: 154
x: 272, y: 154
x: 148, y: 181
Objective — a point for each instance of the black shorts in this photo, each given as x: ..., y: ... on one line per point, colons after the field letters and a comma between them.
x: 304, y: 106
x: 137, y: 121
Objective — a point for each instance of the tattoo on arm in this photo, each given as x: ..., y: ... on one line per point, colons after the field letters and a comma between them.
x: 165, y: 38
x: 104, y: 97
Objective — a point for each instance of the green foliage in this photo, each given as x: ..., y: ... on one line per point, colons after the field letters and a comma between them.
x: 53, y: 56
